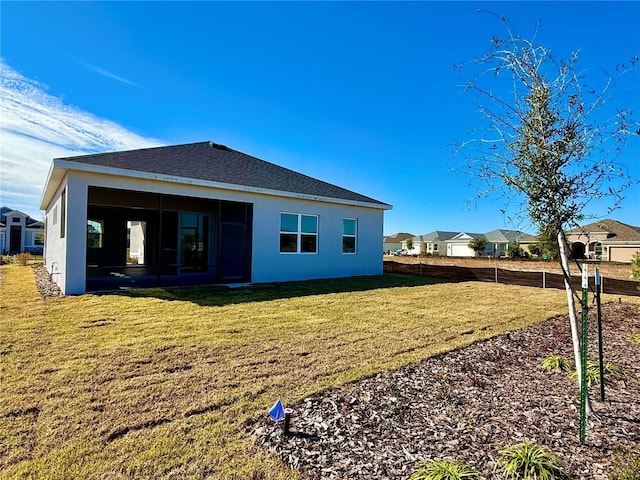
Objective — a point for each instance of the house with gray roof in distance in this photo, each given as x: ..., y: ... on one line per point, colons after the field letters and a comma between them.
x: 200, y: 213
x: 20, y: 233
x: 458, y: 245
x: 608, y: 240
x: 499, y: 240
x: 392, y: 243
x: 432, y: 243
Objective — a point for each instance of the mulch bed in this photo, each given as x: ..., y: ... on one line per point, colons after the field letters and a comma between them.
x: 469, y: 404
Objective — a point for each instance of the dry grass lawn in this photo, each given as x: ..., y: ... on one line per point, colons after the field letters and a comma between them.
x: 160, y: 383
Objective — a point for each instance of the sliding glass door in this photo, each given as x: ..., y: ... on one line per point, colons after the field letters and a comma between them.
x: 194, y: 243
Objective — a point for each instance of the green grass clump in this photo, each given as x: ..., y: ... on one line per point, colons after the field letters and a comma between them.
x: 556, y: 363
x: 445, y: 470
x: 528, y: 461
x: 635, y: 337
x: 593, y: 373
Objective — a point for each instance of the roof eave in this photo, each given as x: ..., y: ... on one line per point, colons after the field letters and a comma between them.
x: 59, y: 165
x: 57, y: 171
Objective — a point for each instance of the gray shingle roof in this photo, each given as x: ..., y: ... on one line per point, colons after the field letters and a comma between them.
x: 507, y: 236
x: 437, y: 236
x: 217, y: 163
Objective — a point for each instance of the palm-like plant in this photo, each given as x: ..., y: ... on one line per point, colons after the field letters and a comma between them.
x: 556, y: 363
x: 593, y: 373
x: 528, y: 461
x: 445, y: 470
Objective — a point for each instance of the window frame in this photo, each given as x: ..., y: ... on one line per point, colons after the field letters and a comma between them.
x: 299, y: 233
x: 353, y: 235
x: 63, y: 213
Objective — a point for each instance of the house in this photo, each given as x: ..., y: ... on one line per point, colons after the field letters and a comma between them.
x: 391, y: 243
x: 430, y: 243
x: 200, y: 213
x: 458, y: 246
x: 608, y: 240
x: 498, y: 241
x: 20, y: 233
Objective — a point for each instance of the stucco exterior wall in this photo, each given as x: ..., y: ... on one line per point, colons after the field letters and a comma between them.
x: 268, y: 264
x: 55, y: 245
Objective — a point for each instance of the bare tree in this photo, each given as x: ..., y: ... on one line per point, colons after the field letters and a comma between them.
x: 550, y: 143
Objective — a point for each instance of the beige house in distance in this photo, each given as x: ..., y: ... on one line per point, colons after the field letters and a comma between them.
x: 607, y: 240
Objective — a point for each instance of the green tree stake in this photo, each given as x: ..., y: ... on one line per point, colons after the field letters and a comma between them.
x: 583, y: 354
x: 600, y: 348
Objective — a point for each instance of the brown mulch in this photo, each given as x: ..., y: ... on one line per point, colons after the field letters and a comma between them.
x: 467, y: 405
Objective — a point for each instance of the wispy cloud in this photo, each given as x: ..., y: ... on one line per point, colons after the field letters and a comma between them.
x: 37, y: 127
x: 105, y: 73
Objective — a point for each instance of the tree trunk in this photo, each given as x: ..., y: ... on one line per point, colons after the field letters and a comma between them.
x: 573, y: 318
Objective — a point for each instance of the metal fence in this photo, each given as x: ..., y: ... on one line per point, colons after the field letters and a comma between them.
x: 510, y: 277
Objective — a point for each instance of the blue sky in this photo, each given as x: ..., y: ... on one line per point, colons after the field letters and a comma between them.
x: 362, y: 95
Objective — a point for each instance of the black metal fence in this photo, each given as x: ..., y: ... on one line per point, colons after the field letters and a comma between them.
x: 510, y: 277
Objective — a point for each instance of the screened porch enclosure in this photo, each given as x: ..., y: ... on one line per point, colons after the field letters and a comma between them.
x: 140, y: 239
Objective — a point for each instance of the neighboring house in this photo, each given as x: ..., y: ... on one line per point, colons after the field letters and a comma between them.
x: 393, y: 242
x: 20, y: 233
x: 499, y: 240
x: 458, y: 246
x: 608, y: 240
x: 200, y: 213
x: 430, y: 243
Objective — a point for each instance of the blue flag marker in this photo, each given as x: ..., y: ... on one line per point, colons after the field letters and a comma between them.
x: 277, y: 411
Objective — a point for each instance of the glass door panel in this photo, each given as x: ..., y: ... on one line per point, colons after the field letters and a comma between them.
x: 194, y: 243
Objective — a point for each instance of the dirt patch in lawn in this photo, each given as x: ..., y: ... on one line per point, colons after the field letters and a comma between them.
x: 467, y: 405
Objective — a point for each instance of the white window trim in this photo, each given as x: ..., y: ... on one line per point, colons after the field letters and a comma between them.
x: 299, y: 233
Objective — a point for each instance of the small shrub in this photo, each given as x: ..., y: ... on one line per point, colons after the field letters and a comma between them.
x: 23, y: 259
x: 593, y: 373
x: 445, y: 470
x: 626, y: 465
x: 635, y: 266
x: 556, y: 363
x: 528, y: 461
x: 634, y: 337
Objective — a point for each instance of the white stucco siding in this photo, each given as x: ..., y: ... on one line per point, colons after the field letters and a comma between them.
x: 55, y: 245
x: 76, y: 235
x: 269, y: 265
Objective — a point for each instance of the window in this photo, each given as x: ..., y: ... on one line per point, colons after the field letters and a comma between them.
x: 15, y: 219
x: 63, y: 213
x: 349, y: 231
x: 435, y: 247
x: 95, y: 230
x: 298, y: 233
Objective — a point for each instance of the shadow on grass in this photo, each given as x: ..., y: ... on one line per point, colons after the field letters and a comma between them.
x: 225, y: 295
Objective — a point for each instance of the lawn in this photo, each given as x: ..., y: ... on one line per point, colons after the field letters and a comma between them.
x: 161, y: 383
